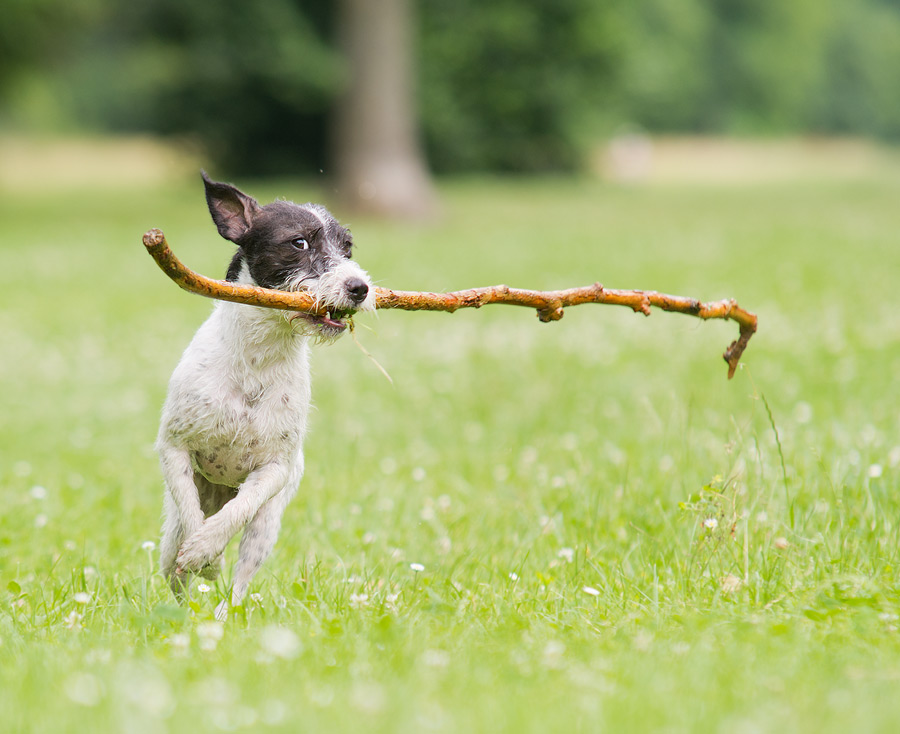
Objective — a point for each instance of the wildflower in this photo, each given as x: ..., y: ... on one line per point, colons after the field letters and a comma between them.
x: 436, y: 658
x: 357, y: 601
x: 83, y: 689
x: 553, y: 653
x: 894, y: 456
x: 148, y: 545
x: 40, y: 521
x: 418, y: 474
x: 875, y: 471
x: 279, y: 642
x: 82, y: 597
x: 513, y: 576
x: 731, y: 583
x: 73, y: 620
x: 591, y: 591
x: 566, y: 554
x: 781, y: 543
x: 710, y: 523
x: 209, y: 634
x: 203, y: 588
x: 38, y: 492
x: 256, y: 597
x: 417, y: 567
x: 180, y: 641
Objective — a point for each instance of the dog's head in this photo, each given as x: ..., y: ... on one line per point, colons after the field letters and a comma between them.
x: 290, y: 246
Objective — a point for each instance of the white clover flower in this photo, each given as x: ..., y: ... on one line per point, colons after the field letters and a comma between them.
x: 781, y: 543
x: 590, y: 591
x: 83, y: 689
x: 180, y: 641
x: 875, y: 471
x: 209, y: 634
x: 256, y: 597
x: 710, y: 523
x: 417, y: 567
x: 513, y: 576
x: 357, y: 601
x: 38, y: 492
x: 82, y: 597
x: 73, y: 620
x: 567, y: 554
x: 390, y: 601
x: 279, y: 642
x: 436, y: 658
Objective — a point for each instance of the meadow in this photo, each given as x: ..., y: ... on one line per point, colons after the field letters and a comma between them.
x: 574, y: 527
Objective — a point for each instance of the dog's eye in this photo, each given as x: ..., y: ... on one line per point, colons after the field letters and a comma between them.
x: 348, y: 249
x: 300, y: 243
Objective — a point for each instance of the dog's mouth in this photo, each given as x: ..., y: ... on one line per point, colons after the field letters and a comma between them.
x: 334, y: 320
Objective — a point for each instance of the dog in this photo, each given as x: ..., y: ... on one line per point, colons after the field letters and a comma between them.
x: 230, y: 442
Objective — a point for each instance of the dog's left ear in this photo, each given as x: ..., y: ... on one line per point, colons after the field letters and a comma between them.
x: 232, y: 210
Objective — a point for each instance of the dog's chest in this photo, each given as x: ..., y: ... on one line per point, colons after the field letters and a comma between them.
x: 237, y: 410
x: 244, y: 429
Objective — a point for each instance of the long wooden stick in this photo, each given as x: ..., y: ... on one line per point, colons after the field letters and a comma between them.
x: 549, y: 304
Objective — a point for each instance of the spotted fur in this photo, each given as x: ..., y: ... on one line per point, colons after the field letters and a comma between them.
x: 231, y: 436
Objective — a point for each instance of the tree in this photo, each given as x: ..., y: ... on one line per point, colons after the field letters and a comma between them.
x: 378, y: 160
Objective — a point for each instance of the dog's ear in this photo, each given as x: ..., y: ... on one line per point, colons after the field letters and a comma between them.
x: 232, y: 210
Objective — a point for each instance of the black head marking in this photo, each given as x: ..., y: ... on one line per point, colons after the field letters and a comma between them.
x: 232, y: 210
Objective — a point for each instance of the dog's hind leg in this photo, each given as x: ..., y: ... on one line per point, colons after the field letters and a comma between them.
x: 183, y: 515
x: 172, y: 537
x: 212, y: 499
x: 257, y: 542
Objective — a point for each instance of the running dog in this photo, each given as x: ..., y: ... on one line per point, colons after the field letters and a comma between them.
x: 230, y: 441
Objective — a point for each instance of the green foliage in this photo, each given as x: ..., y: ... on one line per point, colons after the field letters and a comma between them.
x: 513, y: 86
x: 556, y: 481
x: 252, y: 82
x: 503, y: 86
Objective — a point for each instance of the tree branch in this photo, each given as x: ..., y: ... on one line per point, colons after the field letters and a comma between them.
x: 549, y: 304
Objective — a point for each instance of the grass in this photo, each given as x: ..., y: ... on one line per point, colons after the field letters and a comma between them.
x: 610, y: 536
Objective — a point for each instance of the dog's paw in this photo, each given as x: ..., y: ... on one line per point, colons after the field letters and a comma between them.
x: 196, y: 555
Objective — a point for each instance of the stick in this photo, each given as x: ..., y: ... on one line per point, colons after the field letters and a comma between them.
x: 549, y: 304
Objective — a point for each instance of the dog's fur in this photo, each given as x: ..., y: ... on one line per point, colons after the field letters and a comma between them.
x: 231, y: 435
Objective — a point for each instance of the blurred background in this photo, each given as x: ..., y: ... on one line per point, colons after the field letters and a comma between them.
x: 378, y: 96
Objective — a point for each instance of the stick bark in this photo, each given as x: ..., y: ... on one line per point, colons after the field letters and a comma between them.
x: 548, y: 304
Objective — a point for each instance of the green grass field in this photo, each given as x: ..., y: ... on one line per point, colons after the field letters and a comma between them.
x: 609, y: 535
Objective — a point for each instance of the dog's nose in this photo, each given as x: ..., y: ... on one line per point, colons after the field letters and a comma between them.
x: 357, y: 290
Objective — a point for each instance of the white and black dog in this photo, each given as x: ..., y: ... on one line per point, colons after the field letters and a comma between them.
x: 231, y: 437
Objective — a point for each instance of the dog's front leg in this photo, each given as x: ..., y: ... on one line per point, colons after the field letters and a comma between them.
x: 207, y: 543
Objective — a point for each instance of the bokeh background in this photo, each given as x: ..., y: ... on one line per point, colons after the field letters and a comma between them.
x: 350, y: 89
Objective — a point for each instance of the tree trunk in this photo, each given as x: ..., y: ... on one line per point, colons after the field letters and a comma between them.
x: 378, y: 160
